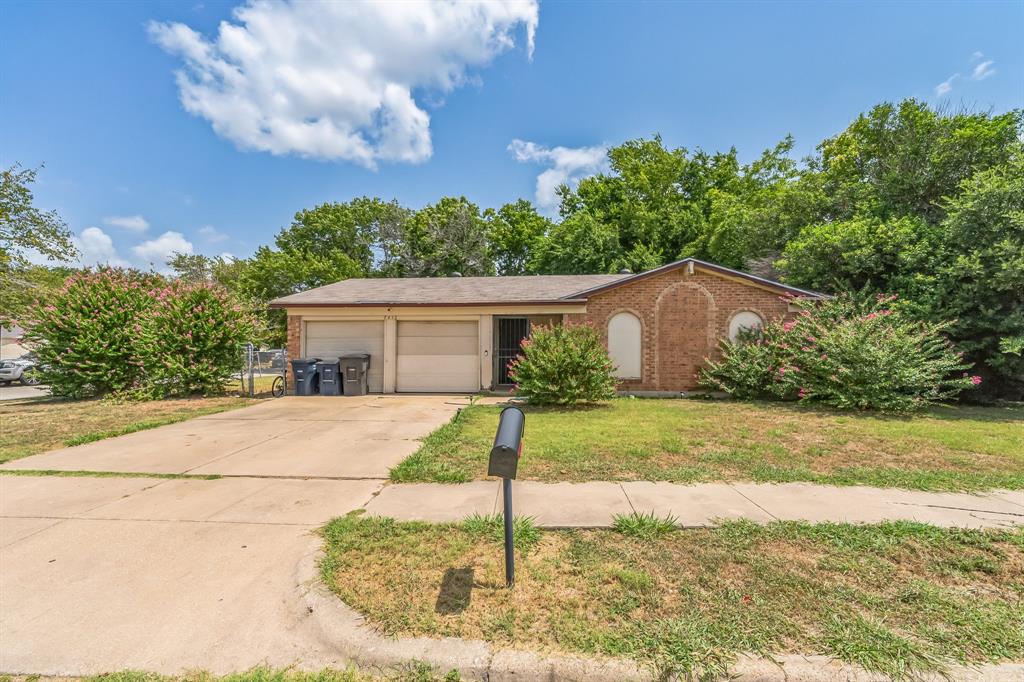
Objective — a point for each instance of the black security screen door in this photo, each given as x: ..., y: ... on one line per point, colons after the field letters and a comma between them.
x: 511, y: 332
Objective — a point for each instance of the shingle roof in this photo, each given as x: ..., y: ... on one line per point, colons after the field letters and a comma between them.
x: 462, y: 291
x: 449, y: 290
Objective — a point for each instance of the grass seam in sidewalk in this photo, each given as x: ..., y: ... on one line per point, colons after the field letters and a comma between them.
x: 104, y: 474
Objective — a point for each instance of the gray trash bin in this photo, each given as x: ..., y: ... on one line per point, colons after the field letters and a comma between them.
x: 330, y: 376
x: 306, y: 376
x: 354, y: 370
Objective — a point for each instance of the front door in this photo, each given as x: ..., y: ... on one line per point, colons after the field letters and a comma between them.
x: 511, y: 332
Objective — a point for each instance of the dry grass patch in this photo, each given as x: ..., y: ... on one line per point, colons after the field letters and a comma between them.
x: 948, y: 448
x: 34, y: 426
x: 897, y: 598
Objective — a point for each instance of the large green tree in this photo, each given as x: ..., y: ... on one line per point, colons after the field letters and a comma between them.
x: 26, y: 229
x: 927, y: 205
x: 979, y: 272
x: 444, y: 238
x: 515, y: 232
x: 904, y: 159
x: 664, y: 204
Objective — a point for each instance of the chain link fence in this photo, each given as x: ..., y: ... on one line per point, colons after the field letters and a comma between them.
x: 263, y: 371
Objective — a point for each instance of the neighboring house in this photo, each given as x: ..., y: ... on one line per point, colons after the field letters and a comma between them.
x: 458, y: 334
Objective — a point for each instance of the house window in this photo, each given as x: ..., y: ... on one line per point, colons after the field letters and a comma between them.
x: 624, y: 339
x: 743, y: 321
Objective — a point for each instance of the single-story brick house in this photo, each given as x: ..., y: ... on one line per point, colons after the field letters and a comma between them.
x: 457, y: 334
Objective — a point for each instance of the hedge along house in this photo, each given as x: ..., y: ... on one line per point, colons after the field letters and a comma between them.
x: 457, y: 334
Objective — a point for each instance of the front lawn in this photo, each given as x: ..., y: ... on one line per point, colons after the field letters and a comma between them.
x: 37, y: 425
x: 948, y: 448
x: 897, y: 598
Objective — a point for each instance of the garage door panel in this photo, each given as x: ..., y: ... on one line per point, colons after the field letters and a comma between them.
x: 334, y: 339
x: 438, y: 356
x: 438, y: 329
x: 427, y: 373
x: 437, y: 345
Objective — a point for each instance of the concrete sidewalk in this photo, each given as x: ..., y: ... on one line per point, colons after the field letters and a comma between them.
x: 594, y: 505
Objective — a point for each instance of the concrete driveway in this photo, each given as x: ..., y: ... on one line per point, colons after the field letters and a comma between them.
x: 354, y: 437
x: 102, y: 574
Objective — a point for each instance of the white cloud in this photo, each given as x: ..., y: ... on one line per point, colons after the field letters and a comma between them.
x: 569, y: 165
x: 977, y: 55
x: 135, y: 223
x: 212, y: 235
x: 335, y: 80
x: 156, y: 252
x: 946, y: 86
x: 983, y: 70
x: 95, y: 247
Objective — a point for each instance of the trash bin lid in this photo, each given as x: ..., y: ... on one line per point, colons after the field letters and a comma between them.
x: 305, y: 361
x: 355, y: 356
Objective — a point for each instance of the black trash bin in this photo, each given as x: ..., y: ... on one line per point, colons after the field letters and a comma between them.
x: 306, y: 376
x: 354, y: 370
x: 330, y: 378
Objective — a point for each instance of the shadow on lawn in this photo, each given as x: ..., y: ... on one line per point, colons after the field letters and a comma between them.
x: 456, y: 591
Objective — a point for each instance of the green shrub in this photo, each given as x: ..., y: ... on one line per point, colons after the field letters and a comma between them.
x: 129, y: 333
x: 190, y: 339
x: 564, y: 365
x: 845, y: 353
x: 86, y: 335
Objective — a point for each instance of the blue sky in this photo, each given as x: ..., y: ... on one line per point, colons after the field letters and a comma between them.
x: 324, y: 104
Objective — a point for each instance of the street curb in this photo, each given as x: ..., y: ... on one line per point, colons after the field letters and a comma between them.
x: 344, y: 628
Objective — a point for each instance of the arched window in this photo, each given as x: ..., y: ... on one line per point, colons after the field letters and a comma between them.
x: 624, y: 341
x: 744, y: 320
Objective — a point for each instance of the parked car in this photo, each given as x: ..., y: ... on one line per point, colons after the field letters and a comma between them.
x: 23, y: 369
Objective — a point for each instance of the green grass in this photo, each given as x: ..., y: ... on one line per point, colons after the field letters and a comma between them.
x: 947, y: 448
x: 644, y: 525
x: 35, y: 426
x: 898, y: 598
x: 412, y: 672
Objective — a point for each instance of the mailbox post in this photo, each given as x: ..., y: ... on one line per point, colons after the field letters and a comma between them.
x: 504, y: 462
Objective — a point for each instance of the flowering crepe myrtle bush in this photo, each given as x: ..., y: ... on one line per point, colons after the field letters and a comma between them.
x: 845, y: 353
x: 189, y: 339
x: 85, y: 338
x: 123, y: 332
x: 564, y: 365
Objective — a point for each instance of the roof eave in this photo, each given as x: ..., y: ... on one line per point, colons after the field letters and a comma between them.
x: 784, y: 288
x: 405, y: 304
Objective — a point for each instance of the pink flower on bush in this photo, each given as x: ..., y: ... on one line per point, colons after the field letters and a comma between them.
x: 870, y: 316
x: 788, y: 326
x: 802, y: 393
x: 975, y: 380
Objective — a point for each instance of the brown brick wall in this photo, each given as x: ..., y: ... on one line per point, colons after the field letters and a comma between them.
x: 294, y: 346
x: 682, y: 316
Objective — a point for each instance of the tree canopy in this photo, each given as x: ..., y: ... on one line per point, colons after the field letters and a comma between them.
x: 910, y: 200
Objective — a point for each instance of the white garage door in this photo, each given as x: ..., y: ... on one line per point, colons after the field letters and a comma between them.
x: 333, y: 339
x: 438, y: 356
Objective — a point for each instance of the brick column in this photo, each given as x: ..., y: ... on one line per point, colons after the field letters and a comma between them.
x: 294, y: 347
